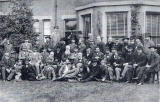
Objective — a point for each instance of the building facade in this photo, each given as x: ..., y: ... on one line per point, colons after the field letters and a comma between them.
x: 95, y: 17
x: 114, y: 18
x: 47, y: 15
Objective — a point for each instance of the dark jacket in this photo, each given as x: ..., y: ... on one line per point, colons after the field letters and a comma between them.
x: 102, y: 47
x: 29, y: 73
x: 117, y: 61
x: 154, y: 61
x: 141, y: 59
x: 129, y: 58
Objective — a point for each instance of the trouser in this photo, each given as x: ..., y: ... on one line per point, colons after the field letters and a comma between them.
x: 4, y: 73
x: 92, y: 75
x: 118, y: 71
x: 37, y: 66
x: 10, y: 76
x: 104, y: 72
x: 110, y: 71
x: 49, y: 73
x: 126, y: 68
x: 141, y: 74
x: 72, y: 73
x: 129, y: 74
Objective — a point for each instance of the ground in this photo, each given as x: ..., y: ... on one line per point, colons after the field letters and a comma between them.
x: 47, y: 91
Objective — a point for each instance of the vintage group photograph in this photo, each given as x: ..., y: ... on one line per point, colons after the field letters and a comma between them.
x: 79, y: 50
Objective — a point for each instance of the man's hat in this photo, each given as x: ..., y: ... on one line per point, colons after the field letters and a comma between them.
x: 152, y: 47
x: 148, y: 34
x: 94, y: 60
x: 48, y: 37
x: 125, y: 38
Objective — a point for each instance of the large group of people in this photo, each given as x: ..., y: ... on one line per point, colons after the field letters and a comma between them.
x: 122, y: 60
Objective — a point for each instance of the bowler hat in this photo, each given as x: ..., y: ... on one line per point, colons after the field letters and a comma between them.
x: 152, y: 47
x: 125, y: 38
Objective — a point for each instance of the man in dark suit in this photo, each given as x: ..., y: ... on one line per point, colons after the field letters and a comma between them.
x: 100, y: 44
x: 128, y: 64
x: 140, y: 61
x: 153, y: 63
x: 28, y: 71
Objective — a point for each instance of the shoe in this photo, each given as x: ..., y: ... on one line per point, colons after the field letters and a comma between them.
x: 140, y: 84
x: 135, y: 78
x: 72, y: 80
x: 127, y: 82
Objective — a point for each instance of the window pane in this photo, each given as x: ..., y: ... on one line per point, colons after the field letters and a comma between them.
x: 47, y: 27
x: 153, y: 26
x: 86, y: 24
x: 149, y: 24
x: 117, y: 24
x: 36, y: 26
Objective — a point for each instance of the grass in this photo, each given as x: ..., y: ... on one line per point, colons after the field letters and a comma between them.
x: 47, y: 91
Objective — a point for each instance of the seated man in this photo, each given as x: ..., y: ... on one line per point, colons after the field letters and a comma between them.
x: 104, y: 74
x: 50, y: 67
x: 140, y: 61
x: 6, y: 65
x: 16, y: 71
x: 128, y: 64
x: 69, y: 71
x: 117, y: 64
x: 98, y: 55
x: 94, y: 68
x: 29, y: 71
x: 35, y: 60
x: 153, y: 63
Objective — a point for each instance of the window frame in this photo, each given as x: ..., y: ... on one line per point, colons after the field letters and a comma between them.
x: 157, y: 33
x: 125, y: 22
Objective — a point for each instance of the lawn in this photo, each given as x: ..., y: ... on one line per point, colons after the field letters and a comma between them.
x: 47, y: 91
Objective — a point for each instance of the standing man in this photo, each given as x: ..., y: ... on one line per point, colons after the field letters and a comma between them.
x: 100, y: 44
x: 6, y: 65
x: 26, y: 46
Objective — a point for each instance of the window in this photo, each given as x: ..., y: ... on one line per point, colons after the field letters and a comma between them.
x: 86, y: 25
x: 47, y: 27
x: 153, y: 26
x: 36, y: 26
x: 117, y: 24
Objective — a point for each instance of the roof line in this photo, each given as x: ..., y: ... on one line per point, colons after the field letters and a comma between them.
x: 117, y: 3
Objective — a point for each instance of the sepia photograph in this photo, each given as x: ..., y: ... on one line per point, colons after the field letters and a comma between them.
x: 79, y: 50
